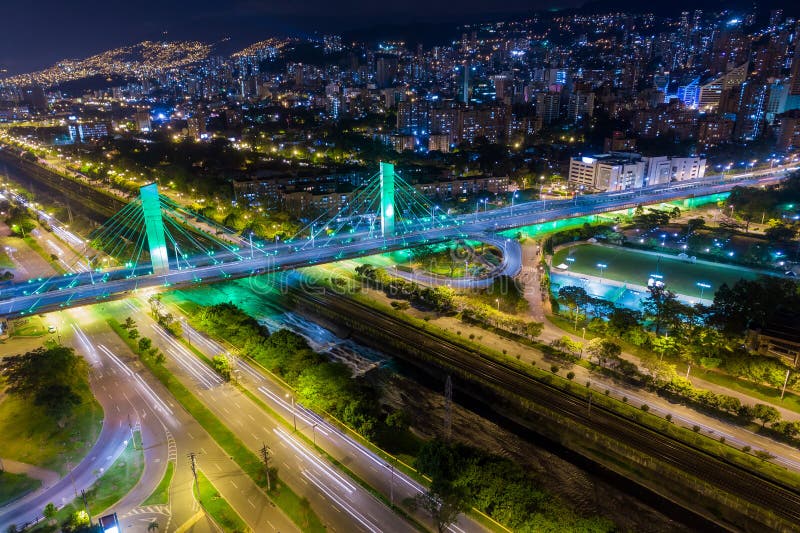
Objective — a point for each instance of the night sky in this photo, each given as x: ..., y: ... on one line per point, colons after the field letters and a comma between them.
x: 36, y: 33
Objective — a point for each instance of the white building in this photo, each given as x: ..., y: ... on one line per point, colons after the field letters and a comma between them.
x: 619, y: 171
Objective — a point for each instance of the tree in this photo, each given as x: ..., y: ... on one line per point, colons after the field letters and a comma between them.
x: 780, y: 233
x: 623, y: 320
x: 694, y: 224
x: 444, y: 509
x: 663, y: 307
x: 533, y: 329
x: 129, y: 323
x: 603, y: 350
x: 573, y: 297
x: 50, y: 376
x: 133, y: 334
x: 145, y: 344
x: 49, y: 511
x: 152, y: 526
x: 766, y: 414
x: 222, y: 366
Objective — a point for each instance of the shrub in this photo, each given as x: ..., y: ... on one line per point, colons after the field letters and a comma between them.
x: 570, y: 375
x: 553, y: 368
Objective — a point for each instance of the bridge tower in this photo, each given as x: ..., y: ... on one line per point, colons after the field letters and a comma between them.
x: 387, y: 200
x: 154, y: 226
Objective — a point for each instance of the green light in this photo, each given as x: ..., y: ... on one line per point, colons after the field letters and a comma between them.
x: 387, y: 199
x: 154, y: 225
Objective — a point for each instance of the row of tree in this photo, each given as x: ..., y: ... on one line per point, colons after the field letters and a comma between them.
x: 464, y: 477
x: 321, y: 384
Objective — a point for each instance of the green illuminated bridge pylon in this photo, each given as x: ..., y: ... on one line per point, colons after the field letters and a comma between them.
x: 154, y: 227
x: 387, y: 199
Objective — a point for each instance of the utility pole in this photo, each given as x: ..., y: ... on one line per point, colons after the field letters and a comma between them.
x: 448, y: 408
x: 86, y: 506
x: 785, y: 382
x: 192, y: 456
x: 266, y: 455
x: 391, y: 483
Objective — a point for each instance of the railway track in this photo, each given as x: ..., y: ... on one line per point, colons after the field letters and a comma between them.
x: 783, y: 501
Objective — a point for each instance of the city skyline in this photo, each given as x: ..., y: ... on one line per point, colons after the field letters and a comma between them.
x: 452, y: 248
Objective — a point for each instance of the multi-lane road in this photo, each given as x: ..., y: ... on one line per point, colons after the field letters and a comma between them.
x: 342, y: 503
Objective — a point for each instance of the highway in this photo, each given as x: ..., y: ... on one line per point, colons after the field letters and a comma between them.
x: 82, y: 288
x: 782, y: 501
x: 341, y: 503
x: 340, y: 444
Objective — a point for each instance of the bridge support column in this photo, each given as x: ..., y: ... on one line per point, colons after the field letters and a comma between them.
x: 387, y: 200
x: 154, y: 226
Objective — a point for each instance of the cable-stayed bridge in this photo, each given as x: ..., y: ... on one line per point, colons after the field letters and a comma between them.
x: 156, y: 242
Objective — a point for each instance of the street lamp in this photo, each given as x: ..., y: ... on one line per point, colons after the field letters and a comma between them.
x: 703, y: 286
x: 602, y: 267
x: 294, y: 411
x: 497, y: 301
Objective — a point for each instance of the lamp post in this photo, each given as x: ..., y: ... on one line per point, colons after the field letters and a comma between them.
x: 294, y: 412
x: 513, y: 196
x: 497, y: 301
x: 602, y: 267
x: 703, y: 286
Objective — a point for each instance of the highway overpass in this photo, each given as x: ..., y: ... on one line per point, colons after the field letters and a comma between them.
x: 72, y: 290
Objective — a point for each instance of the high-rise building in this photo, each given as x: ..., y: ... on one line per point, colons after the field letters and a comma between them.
x: 711, y: 91
x: 547, y: 107
x: 142, y: 119
x: 581, y: 106
x: 87, y: 131
x: 196, y: 126
x: 789, y: 131
x: 794, y: 79
x: 385, y: 70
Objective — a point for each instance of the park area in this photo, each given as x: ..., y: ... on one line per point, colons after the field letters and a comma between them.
x: 636, y: 267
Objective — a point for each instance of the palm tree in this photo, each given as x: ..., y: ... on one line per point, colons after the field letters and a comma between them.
x: 152, y: 526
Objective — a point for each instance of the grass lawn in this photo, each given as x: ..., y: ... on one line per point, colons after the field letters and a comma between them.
x: 13, y: 486
x: 764, y: 393
x: 36, y: 247
x: 160, y: 494
x: 32, y: 326
x: 31, y: 436
x: 217, y: 506
x: 109, y: 488
x: 5, y: 260
x: 635, y: 267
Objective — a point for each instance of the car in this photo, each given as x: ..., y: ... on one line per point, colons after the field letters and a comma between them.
x: 51, y: 329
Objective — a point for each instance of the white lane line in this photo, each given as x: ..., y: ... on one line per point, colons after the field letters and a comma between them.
x: 325, y: 469
x: 343, y: 504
